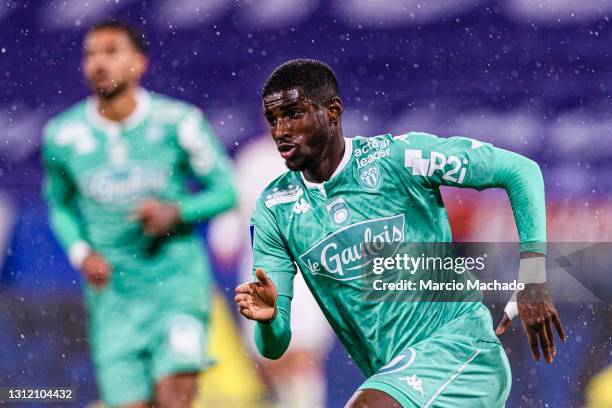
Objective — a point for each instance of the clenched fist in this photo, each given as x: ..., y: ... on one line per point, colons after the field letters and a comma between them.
x: 96, y: 270
x: 157, y: 218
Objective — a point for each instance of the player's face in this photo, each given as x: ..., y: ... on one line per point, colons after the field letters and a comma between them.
x: 299, y: 127
x: 110, y: 62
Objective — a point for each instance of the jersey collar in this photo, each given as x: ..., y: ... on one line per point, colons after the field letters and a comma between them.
x: 348, y: 153
x: 143, y: 106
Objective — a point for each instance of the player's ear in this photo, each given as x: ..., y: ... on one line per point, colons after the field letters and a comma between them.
x: 334, y: 110
x: 141, y: 64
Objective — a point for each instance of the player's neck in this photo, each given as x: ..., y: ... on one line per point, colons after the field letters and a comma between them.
x: 119, y: 106
x: 331, y: 158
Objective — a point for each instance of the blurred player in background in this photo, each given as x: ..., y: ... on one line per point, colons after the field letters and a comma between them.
x: 117, y: 171
x: 340, y: 199
x: 298, y: 379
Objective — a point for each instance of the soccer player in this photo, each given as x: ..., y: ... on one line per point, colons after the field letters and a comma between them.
x: 298, y: 379
x: 338, y: 194
x: 117, y: 171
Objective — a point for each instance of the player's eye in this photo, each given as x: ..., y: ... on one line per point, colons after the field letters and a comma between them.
x: 271, y: 120
x: 293, y: 114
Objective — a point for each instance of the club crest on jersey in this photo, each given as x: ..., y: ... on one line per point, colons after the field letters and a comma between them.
x: 339, y: 212
x: 370, y: 178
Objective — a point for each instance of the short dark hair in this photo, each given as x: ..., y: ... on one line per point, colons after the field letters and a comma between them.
x: 135, y: 36
x: 316, y: 79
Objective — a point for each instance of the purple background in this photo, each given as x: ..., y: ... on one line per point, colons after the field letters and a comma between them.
x: 534, y: 79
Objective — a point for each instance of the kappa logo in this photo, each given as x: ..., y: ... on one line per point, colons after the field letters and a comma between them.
x: 414, y: 382
x: 301, y: 206
x: 154, y: 134
x: 370, y: 178
x: 401, y: 363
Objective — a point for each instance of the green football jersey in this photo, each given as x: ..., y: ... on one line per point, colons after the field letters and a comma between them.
x: 98, y: 171
x: 385, y: 190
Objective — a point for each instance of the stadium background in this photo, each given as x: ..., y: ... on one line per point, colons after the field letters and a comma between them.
x: 533, y: 77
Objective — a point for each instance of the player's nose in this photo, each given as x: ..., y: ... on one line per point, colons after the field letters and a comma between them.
x: 281, y: 131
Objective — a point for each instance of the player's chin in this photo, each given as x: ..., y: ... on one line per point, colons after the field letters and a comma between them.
x: 106, y: 90
x: 295, y: 164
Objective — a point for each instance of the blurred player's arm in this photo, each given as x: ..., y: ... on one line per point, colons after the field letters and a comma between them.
x: 60, y: 194
x: 463, y: 162
x: 210, y: 166
x: 268, y: 299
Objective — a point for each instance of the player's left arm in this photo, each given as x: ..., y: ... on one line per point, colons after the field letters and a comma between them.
x: 212, y: 169
x: 464, y: 162
x: 522, y: 180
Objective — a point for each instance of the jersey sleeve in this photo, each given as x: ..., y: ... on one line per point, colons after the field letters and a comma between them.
x: 272, y: 340
x: 270, y: 251
x: 211, y: 167
x: 60, y: 193
x: 465, y: 162
x: 271, y: 254
x: 454, y: 161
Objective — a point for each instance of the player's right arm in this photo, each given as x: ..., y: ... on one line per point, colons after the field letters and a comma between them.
x: 260, y: 301
x: 60, y: 194
x: 268, y: 300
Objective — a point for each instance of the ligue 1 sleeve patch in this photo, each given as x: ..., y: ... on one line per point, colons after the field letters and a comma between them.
x: 339, y: 212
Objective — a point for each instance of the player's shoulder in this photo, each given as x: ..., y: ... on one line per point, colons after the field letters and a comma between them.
x: 361, y: 141
x: 414, y: 138
x: 70, y: 121
x: 284, y: 189
x: 365, y: 145
x: 397, y: 146
x: 390, y: 153
x: 171, y: 110
x: 386, y: 148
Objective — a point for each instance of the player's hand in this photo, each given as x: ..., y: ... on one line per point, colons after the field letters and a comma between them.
x: 96, y: 270
x: 157, y: 218
x: 538, y: 315
x: 257, y: 300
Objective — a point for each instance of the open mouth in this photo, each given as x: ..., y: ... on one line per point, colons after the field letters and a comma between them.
x: 287, y: 151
